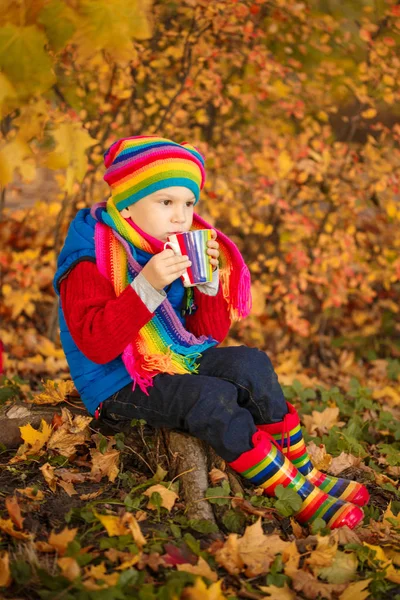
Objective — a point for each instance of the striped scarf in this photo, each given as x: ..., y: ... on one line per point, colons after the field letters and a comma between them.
x: 163, y: 345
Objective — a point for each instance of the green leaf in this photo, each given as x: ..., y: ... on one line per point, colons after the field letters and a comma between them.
x: 21, y: 572
x: 319, y: 526
x: 217, y: 495
x: 57, y: 19
x: 24, y: 60
x: 342, y: 570
x: 234, y: 521
x: 289, y: 502
x: 175, y: 530
x: 202, y: 526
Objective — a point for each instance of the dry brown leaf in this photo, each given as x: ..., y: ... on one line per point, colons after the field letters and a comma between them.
x: 202, y: 568
x: 321, y: 422
x: 71, y: 476
x: 254, y: 550
x: 14, y: 510
x: 7, y: 526
x: 168, y: 497
x: 48, y: 474
x: 69, y: 567
x: 278, y: 593
x: 342, y: 462
x: 60, y: 541
x: 5, y: 575
x: 216, y: 475
x: 92, y: 495
x: 347, y: 536
x: 67, y: 487
x: 311, y: 588
x: 31, y: 493
x: 64, y: 440
x: 105, y: 464
x: 54, y: 392
x: 297, y: 529
x: 228, y: 556
x: 319, y: 456
x: 44, y: 547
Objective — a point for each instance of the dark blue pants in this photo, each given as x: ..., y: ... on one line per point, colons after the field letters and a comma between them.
x: 235, y: 389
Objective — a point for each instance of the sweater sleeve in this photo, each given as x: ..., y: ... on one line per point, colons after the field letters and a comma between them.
x: 101, y: 324
x: 211, y: 317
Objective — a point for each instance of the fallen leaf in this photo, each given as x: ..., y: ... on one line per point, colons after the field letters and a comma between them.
x: 342, y: 570
x: 202, y: 568
x: 48, y: 474
x: 94, y: 573
x: 392, y: 574
x: 5, y: 575
x: 44, y: 547
x: 200, y: 591
x: 31, y: 493
x: 168, y: 497
x: 14, y: 510
x: 308, y: 585
x: 388, y: 514
x: 67, y: 487
x: 228, y: 556
x: 92, y: 495
x: 254, y: 550
x: 60, y: 541
x: 322, y: 422
x: 324, y: 553
x: 216, y: 475
x: 121, y: 526
x: 356, y: 591
x: 105, y: 465
x: 34, y: 440
x: 291, y: 559
x: 73, y: 432
x: 54, y: 392
x: 342, y: 462
x: 278, y: 593
x: 319, y: 457
x: 7, y: 526
x: 69, y: 567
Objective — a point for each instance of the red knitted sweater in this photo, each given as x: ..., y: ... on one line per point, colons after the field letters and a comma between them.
x: 102, y: 324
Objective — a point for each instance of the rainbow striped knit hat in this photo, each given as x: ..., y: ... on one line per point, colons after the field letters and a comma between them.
x: 140, y: 165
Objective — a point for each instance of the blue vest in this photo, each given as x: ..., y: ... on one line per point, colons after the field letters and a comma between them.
x: 96, y: 382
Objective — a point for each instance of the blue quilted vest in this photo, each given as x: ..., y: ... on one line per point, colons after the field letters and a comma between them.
x: 96, y: 382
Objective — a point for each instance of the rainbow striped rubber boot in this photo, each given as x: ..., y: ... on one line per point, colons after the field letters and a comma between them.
x: 266, y: 466
x: 288, y: 435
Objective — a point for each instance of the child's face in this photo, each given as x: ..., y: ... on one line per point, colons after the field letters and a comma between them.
x: 164, y: 212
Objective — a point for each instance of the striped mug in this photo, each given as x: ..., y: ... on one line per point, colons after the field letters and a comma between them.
x: 194, y: 245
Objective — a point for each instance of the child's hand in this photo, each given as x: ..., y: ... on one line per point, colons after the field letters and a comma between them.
x: 163, y: 268
x: 213, y: 251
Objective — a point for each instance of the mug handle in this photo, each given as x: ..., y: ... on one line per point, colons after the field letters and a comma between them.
x: 168, y: 245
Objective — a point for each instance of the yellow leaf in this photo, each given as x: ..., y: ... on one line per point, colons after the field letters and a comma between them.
x: 48, y: 474
x: 7, y: 526
x: 110, y: 26
x: 7, y: 93
x: 60, y: 541
x: 111, y: 523
x: 5, y: 576
x: 121, y: 526
x: 285, y: 164
x: 168, y: 497
x: 356, y: 591
x: 202, y: 568
x: 200, y: 591
x: 370, y: 113
x: 12, y: 156
x: 36, y: 439
x: 72, y: 142
x: 387, y: 392
x: 69, y: 567
x: 388, y: 514
x: 391, y: 209
x: 30, y: 493
x: 278, y: 593
x: 54, y: 392
x: 321, y: 422
x: 324, y: 553
x: 379, y: 553
x: 392, y: 574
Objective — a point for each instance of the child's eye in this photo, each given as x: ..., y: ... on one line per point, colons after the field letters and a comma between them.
x: 189, y: 203
x: 165, y: 202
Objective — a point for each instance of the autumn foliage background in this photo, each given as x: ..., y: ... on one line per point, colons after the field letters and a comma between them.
x: 295, y: 106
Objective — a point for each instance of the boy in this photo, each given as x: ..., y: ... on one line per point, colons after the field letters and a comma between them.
x: 140, y: 345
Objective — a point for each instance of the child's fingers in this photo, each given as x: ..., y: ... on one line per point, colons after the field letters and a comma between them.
x: 213, y: 234
x: 212, y: 252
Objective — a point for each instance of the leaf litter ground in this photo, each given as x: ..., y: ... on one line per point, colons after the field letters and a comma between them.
x: 83, y: 515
